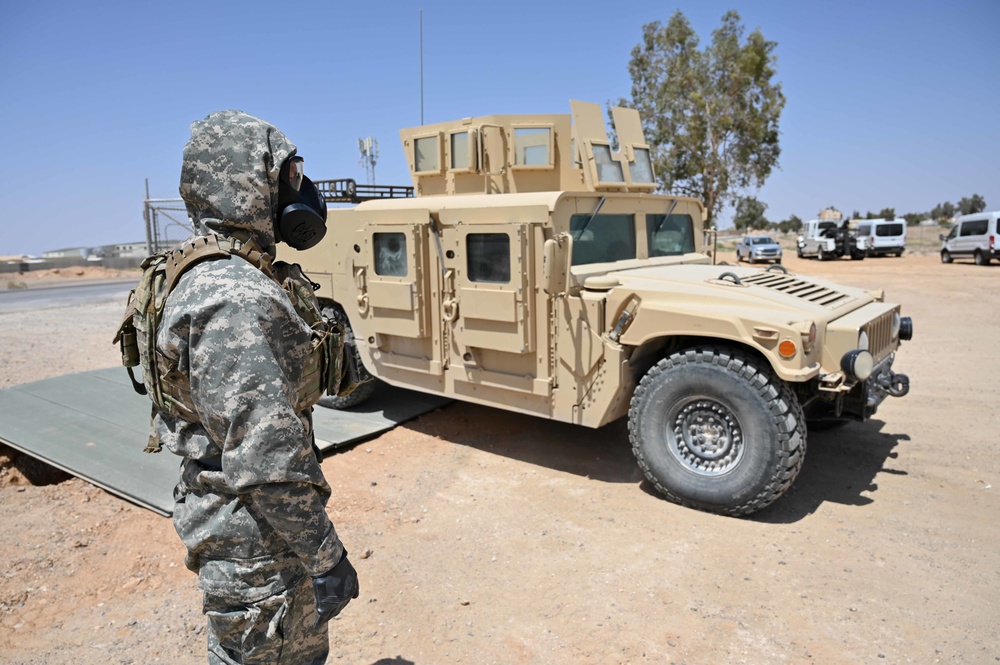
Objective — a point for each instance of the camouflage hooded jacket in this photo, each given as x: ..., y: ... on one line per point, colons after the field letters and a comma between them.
x: 250, y: 504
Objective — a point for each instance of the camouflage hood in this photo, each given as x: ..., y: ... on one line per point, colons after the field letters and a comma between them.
x: 229, y: 178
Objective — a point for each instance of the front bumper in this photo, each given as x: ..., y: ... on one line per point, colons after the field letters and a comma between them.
x: 881, y: 384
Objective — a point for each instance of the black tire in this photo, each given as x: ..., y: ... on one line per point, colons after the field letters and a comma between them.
x: 364, y: 391
x: 946, y: 256
x: 750, y: 259
x: 981, y: 259
x: 821, y: 254
x: 757, y: 418
x: 798, y: 251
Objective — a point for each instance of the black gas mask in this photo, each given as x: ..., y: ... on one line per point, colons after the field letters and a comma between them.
x: 301, y: 218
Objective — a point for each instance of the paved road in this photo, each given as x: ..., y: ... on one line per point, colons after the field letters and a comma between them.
x: 61, y: 295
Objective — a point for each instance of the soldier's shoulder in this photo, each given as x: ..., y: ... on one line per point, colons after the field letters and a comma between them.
x: 226, y: 278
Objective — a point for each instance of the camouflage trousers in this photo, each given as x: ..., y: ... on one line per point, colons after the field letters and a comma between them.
x: 277, y: 630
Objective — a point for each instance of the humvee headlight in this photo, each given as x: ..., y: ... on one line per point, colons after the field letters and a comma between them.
x: 787, y: 349
x: 863, y: 340
x: 809, y: 339
x: 895, y: 325
x: 858, y: 364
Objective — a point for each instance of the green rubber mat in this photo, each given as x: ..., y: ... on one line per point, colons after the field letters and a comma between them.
x: 94, y: 426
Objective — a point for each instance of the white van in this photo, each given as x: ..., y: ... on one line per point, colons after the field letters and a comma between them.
x: 885, y: 236
x: 972, y: 235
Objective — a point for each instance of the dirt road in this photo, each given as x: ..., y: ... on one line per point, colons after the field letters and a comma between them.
x: 488, y: 537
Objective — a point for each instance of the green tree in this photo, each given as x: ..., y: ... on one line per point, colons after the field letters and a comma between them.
x: 943, y: 211
x: 887, y: 213
x: 711, y: 115
x: 749, y: 214
x: 969, y: 205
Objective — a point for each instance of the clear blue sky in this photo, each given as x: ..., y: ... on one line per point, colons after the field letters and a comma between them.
x: 890, y: 103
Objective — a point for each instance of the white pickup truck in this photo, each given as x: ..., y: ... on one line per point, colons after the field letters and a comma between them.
x: 827, y: 239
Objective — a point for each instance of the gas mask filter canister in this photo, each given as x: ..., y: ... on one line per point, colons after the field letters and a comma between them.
x: 302, y: 210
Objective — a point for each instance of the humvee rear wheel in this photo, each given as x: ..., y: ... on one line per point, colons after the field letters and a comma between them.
x: 366, y: 389
x: 714, y: 429
x: 946, y: 256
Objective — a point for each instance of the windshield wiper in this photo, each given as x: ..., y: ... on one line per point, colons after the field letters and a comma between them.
x: 592, y: 216
x: 665, y: 218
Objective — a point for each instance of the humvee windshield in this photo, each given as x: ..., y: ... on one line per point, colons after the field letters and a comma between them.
x: 611, y: 238
x: 604, y: 239
x: 669, y: 236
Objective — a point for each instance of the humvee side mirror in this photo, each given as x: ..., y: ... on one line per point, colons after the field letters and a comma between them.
x: 555, y: 263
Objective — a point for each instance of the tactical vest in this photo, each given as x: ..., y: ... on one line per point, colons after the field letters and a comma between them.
x: 169, y: 388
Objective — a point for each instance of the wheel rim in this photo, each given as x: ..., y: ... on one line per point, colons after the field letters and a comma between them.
x: 705, y: 436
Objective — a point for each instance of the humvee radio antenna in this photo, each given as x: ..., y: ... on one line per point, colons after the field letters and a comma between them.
x: 421, y: 66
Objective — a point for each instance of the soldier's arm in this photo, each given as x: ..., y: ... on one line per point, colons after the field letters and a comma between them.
x: 245, y: 349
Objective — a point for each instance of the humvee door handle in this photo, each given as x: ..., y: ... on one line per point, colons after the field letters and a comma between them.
x: 360, y: 280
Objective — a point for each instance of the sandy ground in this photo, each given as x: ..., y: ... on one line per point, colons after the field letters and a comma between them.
x: 482, y: 536
x: 22, y: 280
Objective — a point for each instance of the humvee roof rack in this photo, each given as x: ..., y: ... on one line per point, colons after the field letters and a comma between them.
x: 346, y: 190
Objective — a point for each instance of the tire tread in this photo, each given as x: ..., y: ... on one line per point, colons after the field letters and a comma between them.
x: 786, y: 413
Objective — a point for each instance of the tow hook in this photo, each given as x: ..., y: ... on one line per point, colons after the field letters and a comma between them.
x: 896, y: 385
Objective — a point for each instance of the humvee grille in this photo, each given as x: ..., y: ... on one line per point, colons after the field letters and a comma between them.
x: 880, y: 335
x: 800, y: 288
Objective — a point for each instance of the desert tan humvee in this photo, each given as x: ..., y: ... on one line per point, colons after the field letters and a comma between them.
x: 536, y: 270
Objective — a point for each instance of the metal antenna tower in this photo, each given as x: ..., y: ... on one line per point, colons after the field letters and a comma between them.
x: 369, y: 155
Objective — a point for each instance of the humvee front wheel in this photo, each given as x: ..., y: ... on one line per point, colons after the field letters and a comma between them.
x: 364, y: 390
x: 714, y: 429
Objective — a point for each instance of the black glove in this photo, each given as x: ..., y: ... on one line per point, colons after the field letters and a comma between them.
x: 334, y: 589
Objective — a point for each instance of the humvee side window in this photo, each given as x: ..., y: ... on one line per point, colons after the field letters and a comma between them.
x: 604, y: 239
x: 427, y: 151
x: 532, y: 145
x: 671, y: 236
x: 390, y: 254
x: 953, y: 232
x: 641, y: 169
x: 460, y: 150
x: 488, y: 257
x: 608, y: 170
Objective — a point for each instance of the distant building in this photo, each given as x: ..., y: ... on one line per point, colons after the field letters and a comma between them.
x: 72, y: 252
x: 121, y: 250
x: 124, y: 250
x: 830, y: 214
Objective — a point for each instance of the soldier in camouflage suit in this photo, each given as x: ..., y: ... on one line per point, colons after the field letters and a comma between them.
x: 250, y: 504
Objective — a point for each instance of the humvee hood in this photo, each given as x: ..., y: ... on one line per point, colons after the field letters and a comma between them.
x: 229, y: 177
x: 772, y: 289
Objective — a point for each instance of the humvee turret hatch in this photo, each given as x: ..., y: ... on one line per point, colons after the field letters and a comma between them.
x: 536, y: 269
